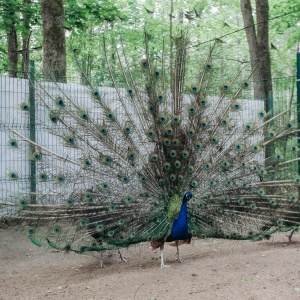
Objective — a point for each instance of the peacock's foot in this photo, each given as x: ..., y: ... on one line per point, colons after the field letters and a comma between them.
x: 180, y: 260
x: 101, y: 264
x: 122, y: 258
x: 164, y: 266
x: 290, y: 237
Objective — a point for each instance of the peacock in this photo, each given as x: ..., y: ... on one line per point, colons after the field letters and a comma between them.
x: 154, y: 157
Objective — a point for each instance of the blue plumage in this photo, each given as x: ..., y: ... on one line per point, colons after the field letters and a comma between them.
x: 180, y: 225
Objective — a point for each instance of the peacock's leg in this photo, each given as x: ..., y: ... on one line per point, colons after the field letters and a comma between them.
x: 101, y: 265
x: 178, y: 259
x: 162, y: 265
x: 122, y: 258
x: 290, y: 236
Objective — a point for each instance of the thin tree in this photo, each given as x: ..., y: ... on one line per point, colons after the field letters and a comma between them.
x: 26, y: 37
x: 10, y: 20
x: 258, y: 42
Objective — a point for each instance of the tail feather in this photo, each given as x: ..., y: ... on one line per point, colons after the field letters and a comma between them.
x: 108, y: 172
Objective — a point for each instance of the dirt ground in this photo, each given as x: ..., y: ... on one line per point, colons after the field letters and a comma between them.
x: 214, y: 269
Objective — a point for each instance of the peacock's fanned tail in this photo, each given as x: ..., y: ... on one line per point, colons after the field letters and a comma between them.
x: 114, y: 173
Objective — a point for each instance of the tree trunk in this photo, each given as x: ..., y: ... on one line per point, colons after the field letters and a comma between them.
x: 54, y: 43
x: 246, y: 10
x: 25, y: 38
x: 258, y: 43
x: 9, y: 20
x: 113, y: 50
x: 12, y: 54
x: 262, y: 15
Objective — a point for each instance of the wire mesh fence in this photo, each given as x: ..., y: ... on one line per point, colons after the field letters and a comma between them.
x: 18, y: 159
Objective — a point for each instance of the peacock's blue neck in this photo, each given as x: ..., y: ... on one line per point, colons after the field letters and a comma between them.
x: 180, y: 225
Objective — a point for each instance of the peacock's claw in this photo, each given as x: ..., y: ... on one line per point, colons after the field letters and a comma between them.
x: 290, y: 237
x: 180, y: 260
x: 122, y: 258
x: 164, y: 266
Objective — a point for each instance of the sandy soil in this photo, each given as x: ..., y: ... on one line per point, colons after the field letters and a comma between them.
x: 214, y: 269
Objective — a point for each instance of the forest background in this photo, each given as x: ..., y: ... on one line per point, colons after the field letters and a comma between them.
x: 53, y: 32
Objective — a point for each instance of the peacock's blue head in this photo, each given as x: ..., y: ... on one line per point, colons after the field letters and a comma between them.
x: 187, y: 196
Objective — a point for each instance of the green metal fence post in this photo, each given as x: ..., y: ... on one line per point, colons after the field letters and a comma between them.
x: 271, y: 148
x: 32, y: 132
x: 298, y: 106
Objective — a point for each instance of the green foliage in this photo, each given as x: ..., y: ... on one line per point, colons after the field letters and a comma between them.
x: 12, y: 14
x: 80, y: 15
x: 284, y: 35
x: 87, y: 21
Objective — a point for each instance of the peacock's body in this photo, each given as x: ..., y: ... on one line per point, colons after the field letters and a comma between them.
x: 141, y: 147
